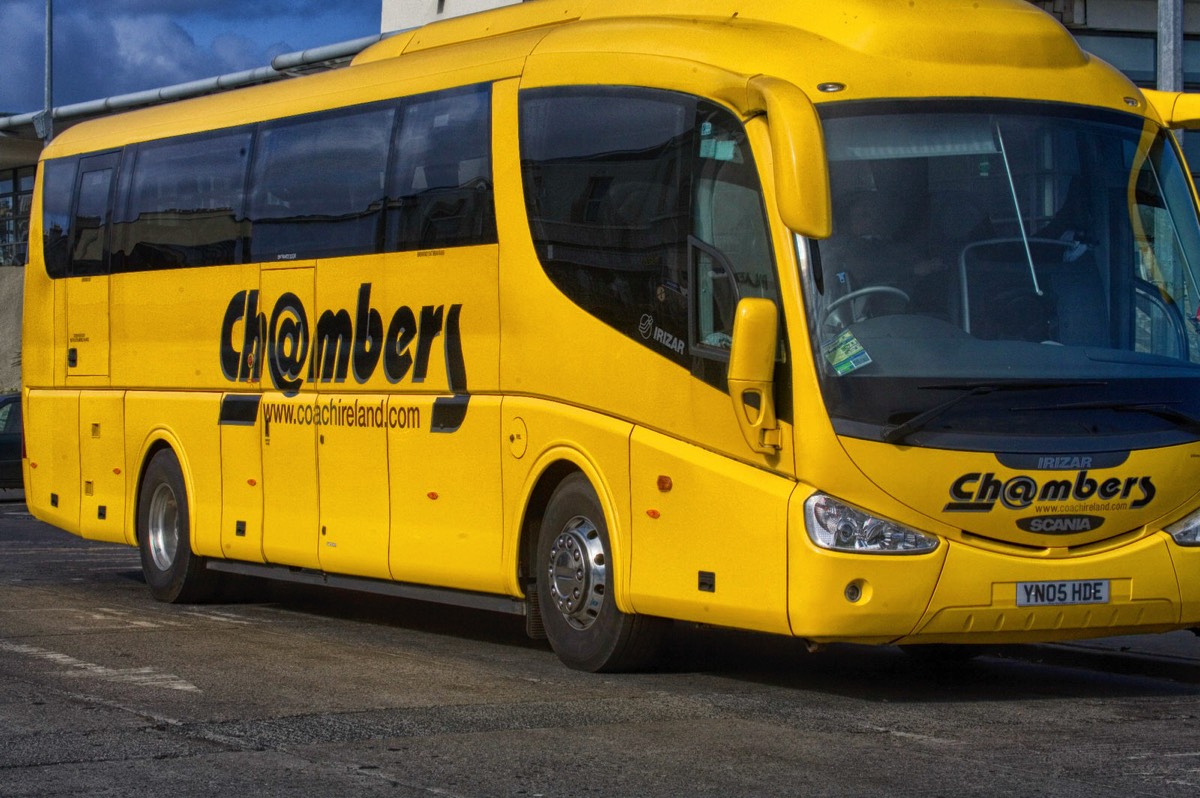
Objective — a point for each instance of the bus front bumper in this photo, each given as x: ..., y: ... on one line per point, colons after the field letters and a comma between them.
x: 988, y: 597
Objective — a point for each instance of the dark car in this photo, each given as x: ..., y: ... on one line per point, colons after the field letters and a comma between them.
x: 10, y: 441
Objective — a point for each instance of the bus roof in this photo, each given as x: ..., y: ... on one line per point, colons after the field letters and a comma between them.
x: 948, y: 32
x: 868, y: 49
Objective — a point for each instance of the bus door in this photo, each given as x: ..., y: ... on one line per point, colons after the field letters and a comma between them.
x: 289, y: 427
x: 87, y: 333
x: 441, y: 354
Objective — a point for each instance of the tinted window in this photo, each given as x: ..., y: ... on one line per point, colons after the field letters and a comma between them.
x: 730, y: 254
x: 93, y: 207
x: 319, y: 185
x: 185, y: 202
x: 645, y: 210
x: 414, y: 173
x: 58, y: 185
x: 441, y: 194
x: 10, y: 418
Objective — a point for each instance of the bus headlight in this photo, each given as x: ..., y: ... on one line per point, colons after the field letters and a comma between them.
x: 1187, y: 531
x: 840, y: 527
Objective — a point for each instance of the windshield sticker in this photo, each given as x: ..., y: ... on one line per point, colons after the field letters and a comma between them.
x: 845, y: 354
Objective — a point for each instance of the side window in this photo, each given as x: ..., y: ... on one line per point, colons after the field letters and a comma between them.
x: 93, y: 204
x: 607, y: 189
x: 318, y: 185
x: 646, y: 211
x: 58, y: 186
x: 733, y: 257
x: 13, y: 424
x: 441, y: 191
x: 185, y: 203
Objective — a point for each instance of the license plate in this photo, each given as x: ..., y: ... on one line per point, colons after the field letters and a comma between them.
x: 1049, y: 594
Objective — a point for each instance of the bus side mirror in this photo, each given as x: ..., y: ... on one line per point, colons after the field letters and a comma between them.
x: 1176, y: 109
x: 752, y: 373
x: 798, y: 155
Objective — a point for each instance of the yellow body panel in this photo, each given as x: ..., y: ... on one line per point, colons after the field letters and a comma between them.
x: 977, y: 596
x: 242, y: 490
x: 445, y: 491
x: 87, y: 330
x: 539, y: 434
x: 709, y: 536
x: 291, y: 508
x: 352, y: 472
x: 1187, y: 562
x: 182, y: 420
x: 102, y: 465
x: 163, y: 321
x: 52, y: 489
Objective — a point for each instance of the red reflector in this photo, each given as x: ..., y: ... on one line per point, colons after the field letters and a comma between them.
x: 654, y: 513
x: 665, y: 483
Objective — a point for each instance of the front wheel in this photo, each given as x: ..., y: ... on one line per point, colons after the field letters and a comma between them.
x: 172, y: 571
x: 574, y: 588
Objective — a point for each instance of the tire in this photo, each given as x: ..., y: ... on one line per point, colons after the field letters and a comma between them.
x: 574, y: 588
x: 172, y: 571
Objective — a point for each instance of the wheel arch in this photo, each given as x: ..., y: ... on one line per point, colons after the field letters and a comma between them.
x: 157, y: 441
x: 534, y: 508
x: 552, y: 468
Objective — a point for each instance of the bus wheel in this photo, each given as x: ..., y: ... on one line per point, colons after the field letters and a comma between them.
x: 173, y: 573
x: 574, y: 587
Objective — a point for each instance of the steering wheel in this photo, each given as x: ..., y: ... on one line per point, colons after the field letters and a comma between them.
x: 858, y: 294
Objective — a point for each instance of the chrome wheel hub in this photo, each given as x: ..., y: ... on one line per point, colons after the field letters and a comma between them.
x: 163, y: 527
x: 578, y: 574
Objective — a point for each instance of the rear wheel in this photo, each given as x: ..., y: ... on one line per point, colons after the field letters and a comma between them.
x: 172, y: 571
x: 574, y: 586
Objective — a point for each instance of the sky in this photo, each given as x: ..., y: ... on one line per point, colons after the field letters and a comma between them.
x: 108, y: 47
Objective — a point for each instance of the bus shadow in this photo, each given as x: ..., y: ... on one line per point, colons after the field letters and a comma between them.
x: 890, y: 674
x: 398, y: 613
x: 878, y: 673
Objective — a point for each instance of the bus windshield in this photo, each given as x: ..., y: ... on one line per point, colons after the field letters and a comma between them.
x: 1004, y: 272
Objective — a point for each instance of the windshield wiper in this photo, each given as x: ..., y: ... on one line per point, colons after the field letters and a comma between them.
x: 900, y: 432
x: 1161, y: 410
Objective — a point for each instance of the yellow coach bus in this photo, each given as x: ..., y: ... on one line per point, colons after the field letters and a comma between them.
x: 859, y: 321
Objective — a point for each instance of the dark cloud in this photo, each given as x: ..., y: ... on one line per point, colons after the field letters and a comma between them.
x: 222, y: 9
x: 22, y: 56
x: 123, y: 46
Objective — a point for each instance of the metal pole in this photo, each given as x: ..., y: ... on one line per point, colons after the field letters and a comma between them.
x: 1170, y: 49
x: 48, y: 131
x: 1170, y: 45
